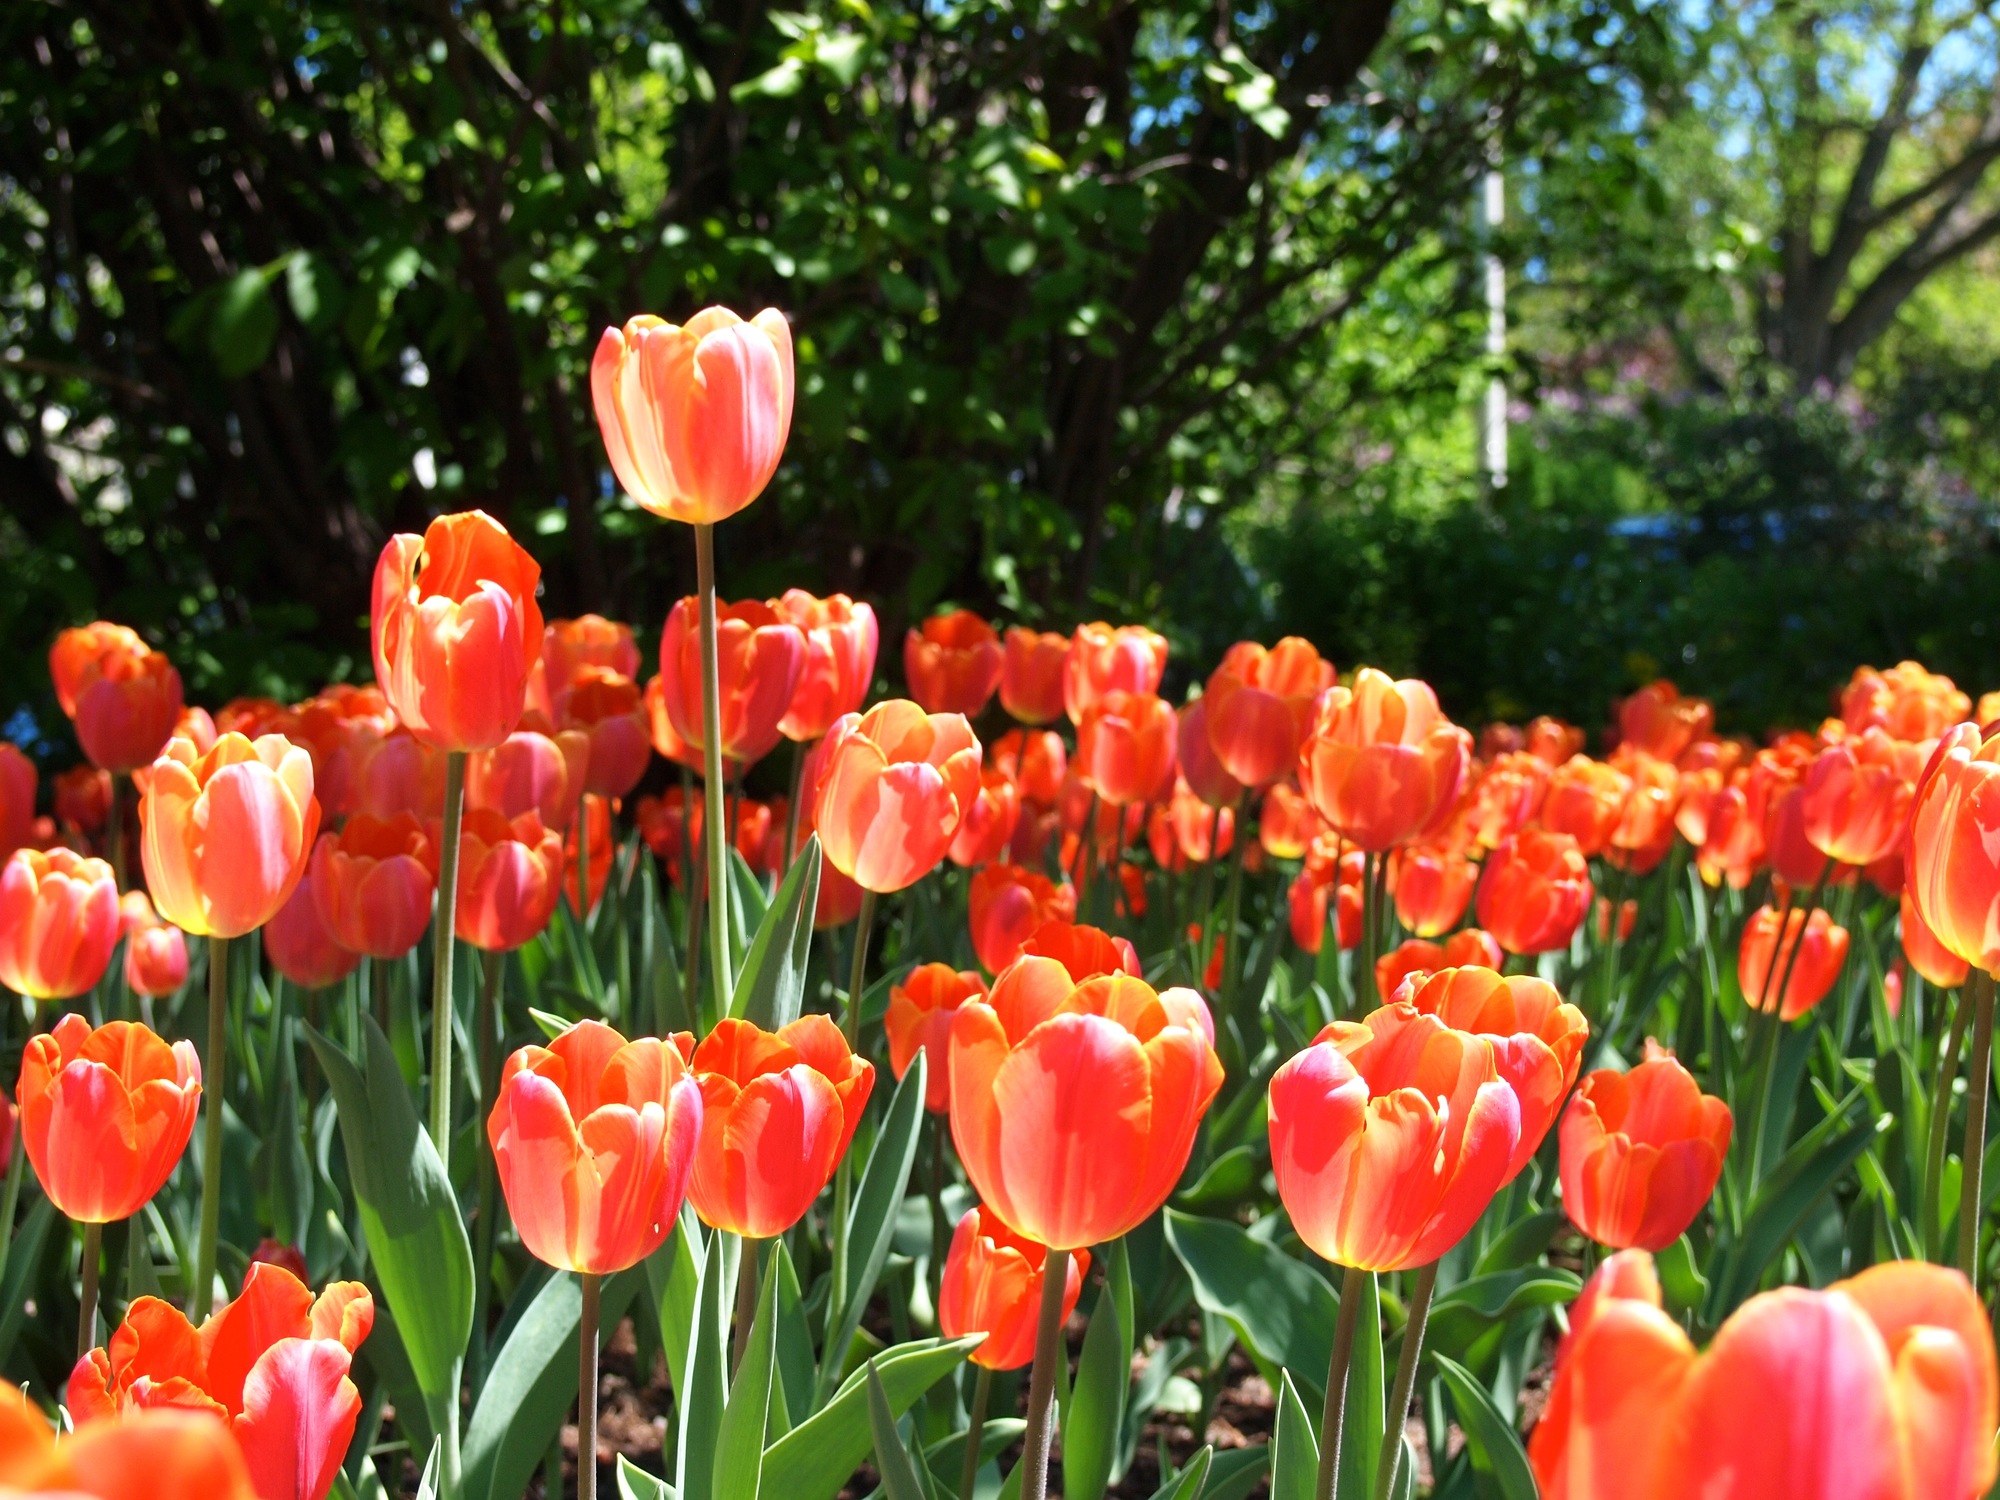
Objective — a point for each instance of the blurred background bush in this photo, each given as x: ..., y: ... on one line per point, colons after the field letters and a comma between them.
x: 1133, y: 308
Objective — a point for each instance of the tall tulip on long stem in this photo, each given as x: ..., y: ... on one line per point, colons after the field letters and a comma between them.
x: 715, y: 827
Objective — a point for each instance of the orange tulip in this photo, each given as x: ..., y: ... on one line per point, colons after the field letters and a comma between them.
x: 531, y: 772
x: 895, y: 784
x: 667, y: 739
x: 1628, y: 918
x: 1659, y: 722
x: 841, y: 641
x: 568, y: 646
x: 105, y: 1114
x: 1200, y: 766
x: 1007, y: 905
x: 456, y: 628
x: 1881, y: 1387
x: 123, y: 696
x: 992, y: 1284
x: 225, y: 836
x: 1642, y: 1152
x: 1286, y: 822
x: 58, y: 922
x: 1763, y: 960
x: 1125, y: 747
x: 1471, y: 945
x: 594, y: 1138
x: 1416, y: 958
x: 759, y: 660
x: 373, y: 882
x: 597, y: 819
x: 1586, y: 799
x: 1187, y: 831
x: 605, y: 707
x: 302, y: 947
x: 1084, y: 952
x: 1645, y: 827
x: 82, y: 797
x: 1307, y: 899
x: 987, y: 830
x: 1954, y: 848
x: 1552, y: 740
x: 17, y: 798
x: 1130, y: 659
x: 1031, y: 675
x: 1389, y: 1136
x: 953, y: 663
x: 1926, y: 954
x: 778, y: 1112
x: 1508, y: 797
x: 1260, y: 705
x: 156, y: 960
x: 396, y: 772
x: 1432, y: 887
x: 1987, y: 711
x: 919, y: 1019
x: 271, y: 1367
x: 1534, y: 891
x: 162, y: 1454
x: 1381, y: 761
x: 1074, y: 1106
x: 510, y: 877
x: 1537, y: 1039
x: 1906, y: 702
x: 694, y: 417
x: 1036, y: 762
x: 1856, y: 800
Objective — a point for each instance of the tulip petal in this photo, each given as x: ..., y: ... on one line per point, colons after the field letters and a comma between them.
x: 299, y: 1413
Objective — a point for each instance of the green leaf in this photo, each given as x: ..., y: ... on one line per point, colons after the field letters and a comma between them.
x: 314, y: 289
x: 532, y: 1384
x: 427, y: 1483
x: 1499, y: 1465
x: 1281, y: 1308
x: 1096, y: 1408
x: 1522, y: 1244
x: 409, y: 1214
x: 635, y: 1483
x: 1230, y: 1178
x: 1469, y: 1309
x: 814, y: 1459
x: 772, y: 984
x: 552, y: 1025
x: 291, y: 1169
x: 673, y: 1277
x: 892, y: 1459
x: 1187, y: 1482
x: 1294, y: 1447
x: 739, y: 1443
x: 1363, y: 1419
x: 23, y: 1258
x: 1234, y: 1474
x: 1680, y: 1279
x: 873, y: 1226
x: 243, y: 325
x: 703, y: 1398
x: 792, y: 1395
x: 1820, y: 1159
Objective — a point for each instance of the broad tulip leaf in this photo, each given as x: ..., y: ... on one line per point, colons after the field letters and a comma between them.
x: 1820, y: 1159
x: 635, y: 1483
x: 23, y: 1258
x: 427, y: 1484
x: 1187, y: 1483
x: 1092, y: 1416
x: 771, y: 986
x: 1230, y: 1178
x: 703, y: 1394
x: 1499, y: 1465
x: 1281, y: 1308
x: 409, y: 1214
x: 817, y: 1457
x: 1472, y: 1307
x: 1233, y: 1475
x: 673, y: 1278
x: 791, y: 1397
x: 892, y: 1459
x: 739, y: 1442
x: 533, y: 1384
x: 1363, y: 1420
x: 1294, y: 1447
x: 1522, y: 1243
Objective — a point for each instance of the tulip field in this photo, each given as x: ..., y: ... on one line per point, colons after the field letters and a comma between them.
x: 776, y: 1069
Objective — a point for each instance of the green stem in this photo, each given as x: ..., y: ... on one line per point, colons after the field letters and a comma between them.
x: 1042, y: 1382
x: 940, y: 1230
x: 1979, y: 1086
x: 586, y: 1390
x: 1232, y: 950
x: 843, y: 1176
x: 581, y: 901
x: 447, y: 927
x: 201, y: 1290
x: 792, y: 810
x: 86, y: 1320
x: 10, y: 1202
x: 713, y: 791
x: 1767, y: 1079
x: 975, y: 1433
x: 1365, y: 981
x: 115, y: 812
x: 1406, y: 1380
x: 1940, y: 1131
x: 746, y: 1302
x: 1333, y: 1416
x: 492, y: 967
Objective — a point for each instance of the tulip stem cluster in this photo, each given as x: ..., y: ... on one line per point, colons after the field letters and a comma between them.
x: 975, y: 1432
x: 1333, y: 1416
x: 1042, y: 1382
x: 715, y: 824
x: 201, y: 1290
x: 1936, y: 1146
x: 447, y: 913
x: 1979, y: 1078
x: 1406, y: 1379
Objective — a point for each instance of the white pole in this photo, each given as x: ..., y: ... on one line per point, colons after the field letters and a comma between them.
x: 1493, y: 417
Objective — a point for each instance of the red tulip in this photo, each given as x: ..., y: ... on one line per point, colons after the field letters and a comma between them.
x: 1534, y: 891
x: 779, y: 1111
x: 1642, y: 1152
x: 606, y: 709
x: 1260, y: 706
x: 1508, y: 797
x: 594, y: 1139
x: 162, y: 1454
x: 1926, y: 954
x: 1125, y: 747
x: 568, y: 646
x: 1035, y: 760
x: 456, y: 629
x: 597, y: 819
x: 156, y: 959
x: 1084, y: 952
x: 759, y: 660
x: 992, y: 1284
x: 396, y: 772
x: 1416, y: 958
x: 1074, y: 1108
x: 270, y: 1252
x: 919, y: 1019
x: 1286, y: 823
x: 694, y: 417
x: 509, y: 879
x: 58, y: 922
x: 17, y: 798
x: 531, y: 772
x: 1585, y: 800
x: 373, y: 882
x: 82, y: 797
x: 1856, y: 800
x: 1954, y: 847
x: 1906, y: 702
x: 1763, y: 960
x: 1433, y: 887
x: 1202, y: 768
x: 895, y: 785
x: 1381, y: 761
x: 105, y: 1114
x: 302, y: 947
x: 1007, y: 905
x: 1660, y: 722
x: 841, y: 641
x: 953, y: 663
x: 123, y: 696
x: 1645, y: 828
x: 1537, y: 1040
x: 1130, y: 659
x: 226, y: 835
x: 1307, y: 898
x: 1552, y: 740
x: 1187, y: 831
x: 1472, y: 945
x: 1389, y: 1136
x: 1031, y: 675
x: 988, y: 826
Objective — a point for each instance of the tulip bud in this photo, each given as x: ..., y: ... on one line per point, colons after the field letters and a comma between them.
x: 953, y: 663
x: 1031, y: 676
x: 1642, y: 1152
x: 992, y: 1284
x: 919, y: 1019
